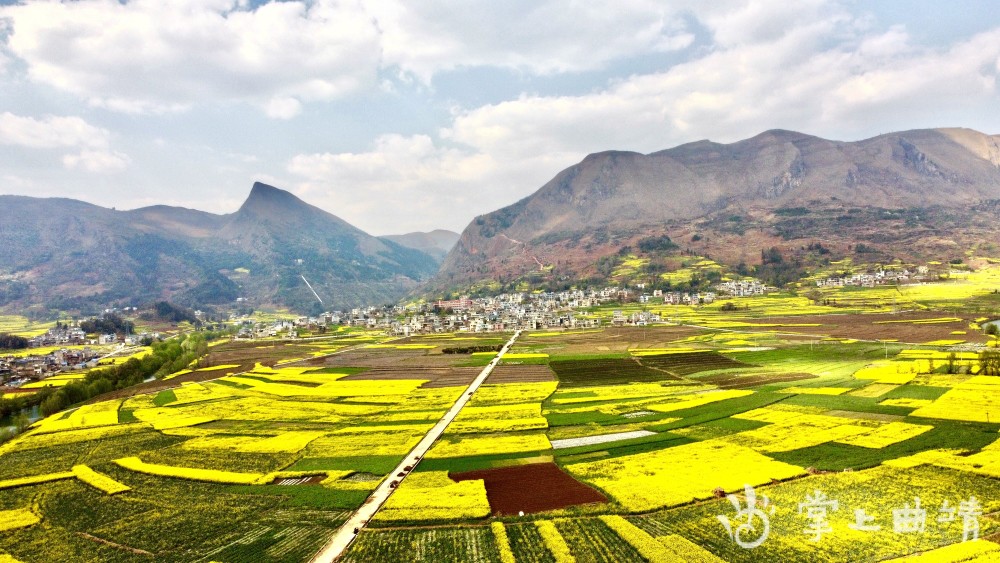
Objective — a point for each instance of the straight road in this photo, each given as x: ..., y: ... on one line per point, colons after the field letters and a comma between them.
x: 346, y: 534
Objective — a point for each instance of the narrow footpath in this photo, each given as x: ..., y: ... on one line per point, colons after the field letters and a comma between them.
x: 339, y: 543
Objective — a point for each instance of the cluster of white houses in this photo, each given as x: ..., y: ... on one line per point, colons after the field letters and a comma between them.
x: 504, y: 312
x: 72, y: 335
x: 15, y: 371
x: 871, y: 279
x: 742, y: 288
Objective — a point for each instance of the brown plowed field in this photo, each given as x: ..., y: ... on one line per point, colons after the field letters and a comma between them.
x: 691, y: 362
x: 873, y: 326
x: 436, y: 376
x: 611, y: 339
x: 247, y: 353
x: 532, y: 488
x: 372, y: 357
x: 507, y: 373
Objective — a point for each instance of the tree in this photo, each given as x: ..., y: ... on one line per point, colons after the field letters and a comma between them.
x: 989, y: 362
x: 12, y: 342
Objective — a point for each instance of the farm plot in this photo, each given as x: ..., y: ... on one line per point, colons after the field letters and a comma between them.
x: 751, y: 380
x: 592, y: 540
x: 527, y: 544
x: 434, y: 376
x: 916, y: 327
x: 433, y: 496
x: 877, y: 491
x: 976, y: 399
x: 612, y: 340
x: 532, y: 488
x: 681, y: 474
x: 472, y: 545
x: 514, y: 373
x: 585, y: 373
x: 687, y: 363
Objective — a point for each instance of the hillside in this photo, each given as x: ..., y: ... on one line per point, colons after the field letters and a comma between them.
x: 901, y: 195
x: 70, y: 255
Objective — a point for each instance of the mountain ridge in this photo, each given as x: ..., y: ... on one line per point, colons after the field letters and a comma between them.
x: 59, y: 253
x: 698, y: 186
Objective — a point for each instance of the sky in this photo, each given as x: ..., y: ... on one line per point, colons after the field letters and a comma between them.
x: 402, y: 116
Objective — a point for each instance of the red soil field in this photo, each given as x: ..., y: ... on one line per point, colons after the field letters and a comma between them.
x: 532, y: 488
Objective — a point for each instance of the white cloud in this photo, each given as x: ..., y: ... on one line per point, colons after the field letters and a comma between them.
x: 820, y: 77
x: 554, y: 36
x: 97, y: 161
x: 50, y: 132
x: 147, y: 56
x: 283, y: 108
x: 55, y: 132
x: 153, y: 56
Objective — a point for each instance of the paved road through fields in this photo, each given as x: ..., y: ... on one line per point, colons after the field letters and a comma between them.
x: 345, y: 535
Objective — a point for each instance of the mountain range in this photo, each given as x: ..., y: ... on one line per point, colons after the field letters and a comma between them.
x: 69, y: 255
x: 921, y: 193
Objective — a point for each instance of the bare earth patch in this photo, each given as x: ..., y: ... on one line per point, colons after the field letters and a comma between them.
x: 537, y: 487
x: 512, y: 373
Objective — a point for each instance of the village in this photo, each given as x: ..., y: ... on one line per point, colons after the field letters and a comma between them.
x: 61, y: 349
x: 504, y: 312
x: 871, y: 279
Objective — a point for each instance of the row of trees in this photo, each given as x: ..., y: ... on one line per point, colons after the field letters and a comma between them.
x: 167, y: 357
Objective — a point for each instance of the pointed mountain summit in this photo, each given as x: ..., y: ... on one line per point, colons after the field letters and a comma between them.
x: 274, y: 211
x: 265, y: 198
x: 69, y: 255
x: 270, y: 203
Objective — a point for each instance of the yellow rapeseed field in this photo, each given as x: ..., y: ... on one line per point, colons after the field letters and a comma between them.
x: 191, y: 473
x: 98, y: 480
x: 480, y: 444
x: 432, y: 495
x: 678, y: 475
x: 14, y: 519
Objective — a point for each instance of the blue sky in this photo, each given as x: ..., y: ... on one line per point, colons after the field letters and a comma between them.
x: 401, y: 116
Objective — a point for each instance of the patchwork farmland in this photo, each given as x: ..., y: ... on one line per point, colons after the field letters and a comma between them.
x: 610, y: 445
